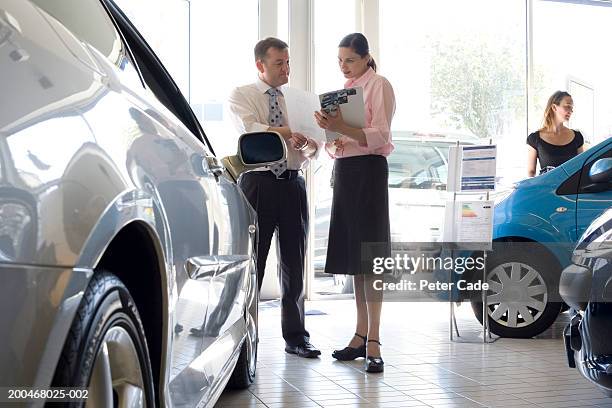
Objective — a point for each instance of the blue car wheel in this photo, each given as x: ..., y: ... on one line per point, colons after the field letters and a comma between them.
x: 521, y: 289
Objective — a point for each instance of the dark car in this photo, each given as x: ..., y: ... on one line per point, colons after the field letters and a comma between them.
x: 586, y: 286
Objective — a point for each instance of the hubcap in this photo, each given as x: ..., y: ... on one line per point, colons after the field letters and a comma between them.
x: 116, y: 380
x: 517, y: 294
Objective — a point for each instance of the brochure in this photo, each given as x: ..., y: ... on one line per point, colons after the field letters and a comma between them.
x: 350, y: 102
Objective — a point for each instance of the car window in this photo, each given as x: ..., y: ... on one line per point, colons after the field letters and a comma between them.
x: 155, y: 75
x: 416, y: 165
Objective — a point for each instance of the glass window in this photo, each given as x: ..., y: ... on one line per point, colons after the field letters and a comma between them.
x: 170, y: 42
x: 283, y: 20
x: 458, y: 67
x: 332, y: 21
x: 563, y: 59
x: 223, y: 35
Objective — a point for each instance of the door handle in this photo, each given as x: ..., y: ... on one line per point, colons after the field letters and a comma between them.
x: 214, y: 166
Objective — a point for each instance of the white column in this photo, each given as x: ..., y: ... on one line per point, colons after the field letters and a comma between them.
x: 529, y: 59
x: 268, y: 24
x: 370, y: 26
x: 300, y: 43
x: 301, y: 40
x: 268, y: 20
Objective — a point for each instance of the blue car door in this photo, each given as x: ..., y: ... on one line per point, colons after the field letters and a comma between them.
x: 592, y: 199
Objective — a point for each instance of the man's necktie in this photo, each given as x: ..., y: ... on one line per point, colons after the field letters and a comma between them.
x: 275, y: 119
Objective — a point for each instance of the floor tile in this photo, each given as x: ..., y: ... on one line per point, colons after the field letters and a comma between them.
x: 423, y: 368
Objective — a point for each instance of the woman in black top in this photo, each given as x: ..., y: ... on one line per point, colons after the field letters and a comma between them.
x: 554, y: 144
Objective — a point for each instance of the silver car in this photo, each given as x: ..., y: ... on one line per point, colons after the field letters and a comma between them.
x: 126, y: 249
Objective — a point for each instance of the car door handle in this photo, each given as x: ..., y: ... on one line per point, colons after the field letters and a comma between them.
x: 214, y: 166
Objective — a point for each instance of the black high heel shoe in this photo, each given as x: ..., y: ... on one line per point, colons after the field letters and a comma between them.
x: 351, y: 353
x: 374, y: 364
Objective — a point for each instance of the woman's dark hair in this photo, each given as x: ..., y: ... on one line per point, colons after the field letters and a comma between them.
x: 358, y: 43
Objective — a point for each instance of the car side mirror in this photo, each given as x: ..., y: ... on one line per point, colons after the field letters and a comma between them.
x: 255, y: 150
x: 601, y: 171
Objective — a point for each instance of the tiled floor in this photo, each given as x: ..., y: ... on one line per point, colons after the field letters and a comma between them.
x: 422, y: 367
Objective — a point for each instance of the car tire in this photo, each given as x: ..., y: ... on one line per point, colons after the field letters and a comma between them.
x: 106, y: 349
x: 539, y: 272
x: 244, y: 373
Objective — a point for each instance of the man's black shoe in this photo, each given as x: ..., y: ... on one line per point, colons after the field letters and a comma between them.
x: 305, y: 350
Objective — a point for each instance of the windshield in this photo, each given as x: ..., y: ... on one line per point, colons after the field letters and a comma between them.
x: 418, y: 165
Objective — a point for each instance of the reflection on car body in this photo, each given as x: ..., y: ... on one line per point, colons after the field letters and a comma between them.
x: 119, y: 229
x: 586, y: 285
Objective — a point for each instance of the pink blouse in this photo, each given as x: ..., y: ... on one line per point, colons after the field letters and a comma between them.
x: 379, y: 102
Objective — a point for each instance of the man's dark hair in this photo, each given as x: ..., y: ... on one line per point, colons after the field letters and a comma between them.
x: 262, y: 47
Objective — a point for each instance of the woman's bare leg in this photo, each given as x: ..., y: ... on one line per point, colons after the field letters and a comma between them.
x: 361, y: 326
x: 374, y: 308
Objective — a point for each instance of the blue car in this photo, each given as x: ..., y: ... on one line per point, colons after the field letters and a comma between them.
x: 536, y: 227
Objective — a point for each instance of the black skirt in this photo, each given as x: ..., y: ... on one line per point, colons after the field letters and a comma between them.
x: 359, y: 225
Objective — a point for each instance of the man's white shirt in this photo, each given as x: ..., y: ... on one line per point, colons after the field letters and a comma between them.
x: 249, y: 107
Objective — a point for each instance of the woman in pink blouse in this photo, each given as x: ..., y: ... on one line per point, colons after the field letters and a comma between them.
x: 359, y: 226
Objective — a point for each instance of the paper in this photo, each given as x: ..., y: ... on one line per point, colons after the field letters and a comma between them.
x: 301, y: 106
x: 469, y: 221
x: 350, y: 102
x: 478, y: 168
x: 471, y: 168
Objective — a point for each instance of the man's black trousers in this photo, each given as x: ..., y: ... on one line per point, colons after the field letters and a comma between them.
x: 281, y: 206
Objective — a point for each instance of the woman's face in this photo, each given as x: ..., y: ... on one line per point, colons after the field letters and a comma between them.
x: 352, y: 64
x: 563, y: 111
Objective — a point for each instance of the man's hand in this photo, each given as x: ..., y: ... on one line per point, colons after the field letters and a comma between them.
x: 284, y: 131
x: 298, y: 141
x: 303, y: 144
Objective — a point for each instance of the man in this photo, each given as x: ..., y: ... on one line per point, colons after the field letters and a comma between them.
x: 278, y: 194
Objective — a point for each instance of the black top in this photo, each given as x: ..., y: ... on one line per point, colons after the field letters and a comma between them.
x: 550, y: 155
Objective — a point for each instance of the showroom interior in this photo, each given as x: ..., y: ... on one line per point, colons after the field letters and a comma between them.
x: 193, y: 329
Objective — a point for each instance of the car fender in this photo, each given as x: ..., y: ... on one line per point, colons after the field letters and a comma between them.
x: 531, y: 228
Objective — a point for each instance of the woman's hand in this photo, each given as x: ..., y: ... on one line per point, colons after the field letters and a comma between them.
x: 332, y: 122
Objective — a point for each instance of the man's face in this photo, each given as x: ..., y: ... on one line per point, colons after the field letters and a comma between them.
x: 274, y: 68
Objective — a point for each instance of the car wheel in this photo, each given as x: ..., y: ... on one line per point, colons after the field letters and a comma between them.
x: 521, y: 287
x: 106, y: 350
x: 244, y: 372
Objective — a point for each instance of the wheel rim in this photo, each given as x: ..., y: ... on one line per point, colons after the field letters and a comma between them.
x: 116, y: 379
x: 253, y: 332
x: 251, y: 342
x: 517, y: 294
